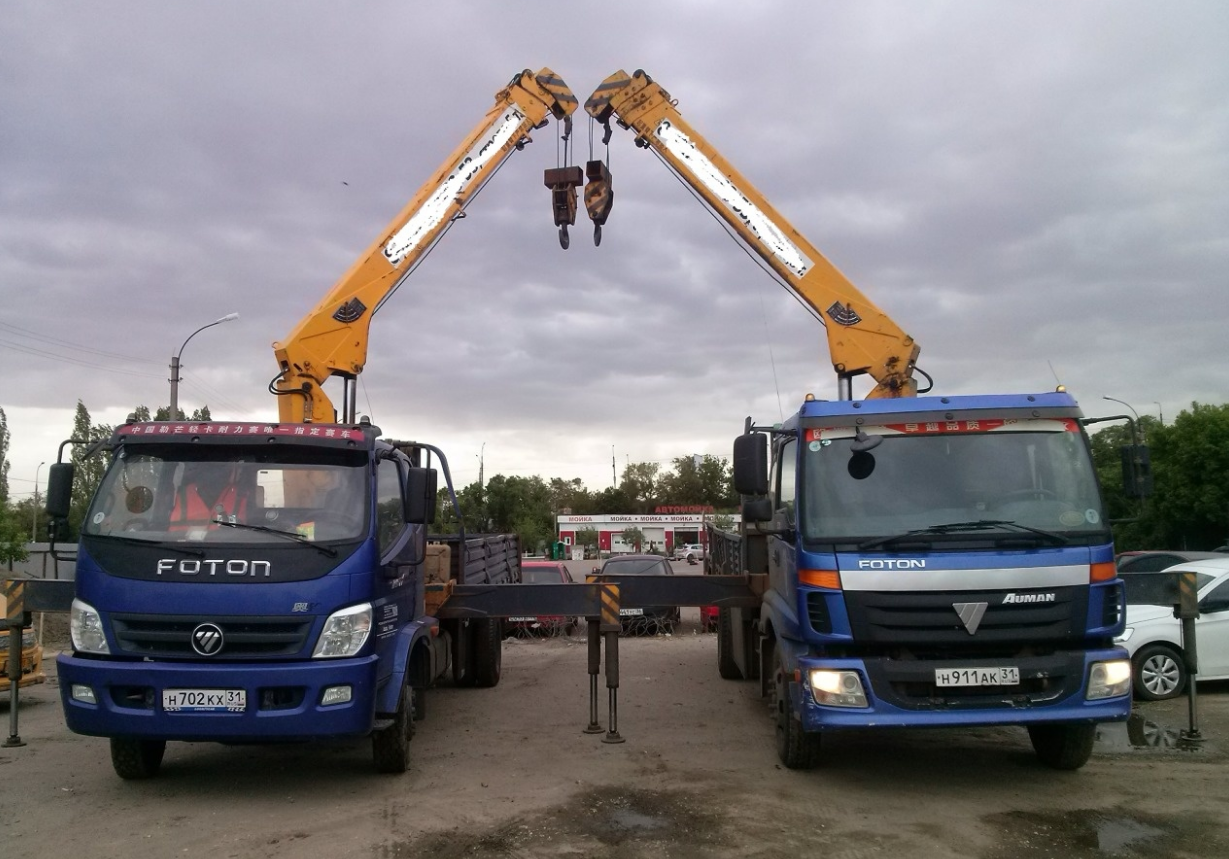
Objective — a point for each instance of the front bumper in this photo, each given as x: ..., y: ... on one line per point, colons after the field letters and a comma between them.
x: 283, y: 699
x: 902, y: 694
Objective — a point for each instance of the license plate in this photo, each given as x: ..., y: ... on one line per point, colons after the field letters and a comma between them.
x: 204, y: 700
x: 631, y: 612
x: 999, y: 676
x: 522, y: 619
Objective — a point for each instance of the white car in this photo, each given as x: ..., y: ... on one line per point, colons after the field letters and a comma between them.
x: 1153, y: 636
x: 689, y: 552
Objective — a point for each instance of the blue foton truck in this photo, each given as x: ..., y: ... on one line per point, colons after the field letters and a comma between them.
x: 928, y: 561
x: 243, y: 582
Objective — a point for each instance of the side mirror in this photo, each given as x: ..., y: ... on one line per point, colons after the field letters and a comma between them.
x: 751, y: 464
x: 59, y: 490
x: 420, y: 495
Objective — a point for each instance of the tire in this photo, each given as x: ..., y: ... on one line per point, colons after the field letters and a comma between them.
x: 390, y: 747
x: 488, y: 651
x: 797, y: 749
x: 726, y: 666
x: 136, y: 759
x: 1063, y: 747
x: 1160, y: 673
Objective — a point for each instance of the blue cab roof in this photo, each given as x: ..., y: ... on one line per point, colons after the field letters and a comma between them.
x: 913, y: 405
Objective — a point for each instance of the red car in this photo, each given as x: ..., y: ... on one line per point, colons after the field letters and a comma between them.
x: 537, y: 573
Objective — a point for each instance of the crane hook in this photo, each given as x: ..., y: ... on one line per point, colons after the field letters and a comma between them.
x: 564, y: 241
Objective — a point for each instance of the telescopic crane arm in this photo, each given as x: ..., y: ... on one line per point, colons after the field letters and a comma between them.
x: 862, y: 339
x: 331, y: 340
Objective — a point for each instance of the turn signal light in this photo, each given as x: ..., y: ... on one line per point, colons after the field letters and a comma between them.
x: 820, y: 578
x: 1103, y: 572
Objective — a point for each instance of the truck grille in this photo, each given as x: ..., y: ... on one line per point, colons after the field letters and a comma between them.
x: 170, y: 636
x: 929, y: 619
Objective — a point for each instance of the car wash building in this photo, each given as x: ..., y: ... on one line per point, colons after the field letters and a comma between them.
x: 662, y: 529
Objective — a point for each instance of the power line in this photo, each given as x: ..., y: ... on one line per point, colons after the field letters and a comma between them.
x: 33, y: 335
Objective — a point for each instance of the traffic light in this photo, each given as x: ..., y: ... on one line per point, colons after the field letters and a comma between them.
x: 1136, y: 470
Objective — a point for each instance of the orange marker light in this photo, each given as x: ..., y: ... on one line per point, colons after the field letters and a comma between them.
x: 820, y: 578
x: 1103, y: 572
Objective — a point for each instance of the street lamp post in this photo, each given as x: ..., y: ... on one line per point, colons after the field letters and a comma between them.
x: 174, y: 415
x: 1160, y: 413
x: 34, y: 525
x: 1137, y: 423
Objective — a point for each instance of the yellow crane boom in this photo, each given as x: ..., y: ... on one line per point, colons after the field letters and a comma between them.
x: 331, y: 340
x: 862, y: 339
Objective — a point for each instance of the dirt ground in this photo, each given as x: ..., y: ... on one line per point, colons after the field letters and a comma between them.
x: 509, y: 772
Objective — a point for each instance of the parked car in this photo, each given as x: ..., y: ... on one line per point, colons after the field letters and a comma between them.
x: 536, y: 573
x: 1153, y: 636
x: 689, y: 552
x: 1154, y: 561
x: 650, y: 618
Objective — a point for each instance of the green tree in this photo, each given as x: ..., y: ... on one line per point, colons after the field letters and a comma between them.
x: 639, y: 487
x: 707, y: 480
x: 1190, y: 465
x: 587, y: 537
x: 87, y: 471
x: 1189, y: 505
x: 164, y: 414
x: 14, y: 533
x: 633, y: 536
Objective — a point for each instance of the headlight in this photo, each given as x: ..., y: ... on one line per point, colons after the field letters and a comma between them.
x: 345, y: 632
x: 837, y: 688
x: 1126, y: 634
x: 86, y: 627
x: 1109, y: 679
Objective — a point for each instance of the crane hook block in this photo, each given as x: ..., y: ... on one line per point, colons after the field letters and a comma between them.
x: 599, y: 196
x: 563, y: 182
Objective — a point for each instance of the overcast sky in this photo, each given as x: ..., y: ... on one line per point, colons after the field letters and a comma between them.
x: 1038, y: 192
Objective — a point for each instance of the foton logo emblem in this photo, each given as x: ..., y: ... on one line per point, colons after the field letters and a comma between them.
x: 1019, y: 598
x: 907, y: 564
x: 234, y: 568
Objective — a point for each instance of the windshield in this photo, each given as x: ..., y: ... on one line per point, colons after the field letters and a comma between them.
x: 636, y: 567
x: 231, y: 495
x: 991, y: 478
x: 538, y: 575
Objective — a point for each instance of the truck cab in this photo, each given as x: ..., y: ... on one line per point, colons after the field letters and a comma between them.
x: 255, y: 582
x: 930, y: 560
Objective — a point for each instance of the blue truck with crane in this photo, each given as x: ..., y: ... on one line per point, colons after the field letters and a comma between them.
x: 922, y: 561
x: 273, y: 581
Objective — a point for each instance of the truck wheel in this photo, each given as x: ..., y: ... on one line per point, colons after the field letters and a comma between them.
x: 488, y: 651
x: 726, y: 666
x: 796, y: 748
x: 1063, y: 747
x: 390, y: 747
x: 136, y: 759
x: 1159, y: 673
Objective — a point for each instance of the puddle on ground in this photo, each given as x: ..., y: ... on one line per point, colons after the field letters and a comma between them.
x: 1088, y: 834
x: 1140, y: 734
x: 595, y: 822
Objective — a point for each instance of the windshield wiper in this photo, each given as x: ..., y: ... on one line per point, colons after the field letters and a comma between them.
x: 293, y: 535
x: 965, y: 527
x: 137, y: 541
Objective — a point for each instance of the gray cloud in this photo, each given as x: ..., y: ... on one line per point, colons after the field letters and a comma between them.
x: 1031, y: 190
